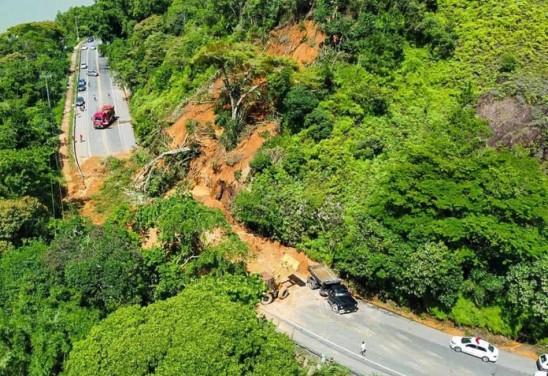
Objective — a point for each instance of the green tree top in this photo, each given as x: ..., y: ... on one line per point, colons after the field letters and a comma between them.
x: 202, y: 331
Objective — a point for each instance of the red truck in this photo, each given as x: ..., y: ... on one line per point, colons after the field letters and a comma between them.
x: 104, y: 117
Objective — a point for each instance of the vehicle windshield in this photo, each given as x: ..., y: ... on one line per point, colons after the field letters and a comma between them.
x: 491, y: 348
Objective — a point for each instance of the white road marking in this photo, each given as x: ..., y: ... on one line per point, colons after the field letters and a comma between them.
x: 433, y: 354
x: 337, y: 346
x: 103, y: 133
x: 403, y: 337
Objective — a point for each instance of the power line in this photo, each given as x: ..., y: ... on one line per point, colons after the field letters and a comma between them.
x: 56, y: 155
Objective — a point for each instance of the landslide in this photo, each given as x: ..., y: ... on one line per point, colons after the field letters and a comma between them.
x: 217, y: 175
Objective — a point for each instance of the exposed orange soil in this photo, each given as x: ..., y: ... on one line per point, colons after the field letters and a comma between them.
x: 214, y: 182
x: 300, y: 42
x: 84, y: 189
x: 150, y: 240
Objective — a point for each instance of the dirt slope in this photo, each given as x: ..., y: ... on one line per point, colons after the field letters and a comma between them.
x: 302, y: 42
x: 217, y: 175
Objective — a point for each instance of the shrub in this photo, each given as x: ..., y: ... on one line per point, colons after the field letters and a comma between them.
x: 299, y: 102
x: 320, y: 124
x: 231, y: 160
x: 508, y: 63
x: 465, y: 312
x: 260, y: 162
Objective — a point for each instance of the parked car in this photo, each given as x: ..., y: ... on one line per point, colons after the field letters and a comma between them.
x: 475, y: 346
x: 542, y: 362
x: 84, y: 47
x: 92, y: 73
x: 540, y: 373
x: 83, y: 66
x: 340, y: 299
x: 93, y: 47
x: 80, y: 101
x: 81, y: 84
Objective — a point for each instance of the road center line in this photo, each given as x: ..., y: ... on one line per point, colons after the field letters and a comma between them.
x: 100, y: 97
x: 335, y: 345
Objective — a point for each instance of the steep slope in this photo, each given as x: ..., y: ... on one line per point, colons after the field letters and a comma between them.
x: 217, y: 175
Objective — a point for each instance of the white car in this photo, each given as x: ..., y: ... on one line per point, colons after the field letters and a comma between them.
x: 540, y: 373
x: 84, y: 47
x: 475, y: 346
x: 83, y: 66
x: 542, y: 362
x: 93, y: 47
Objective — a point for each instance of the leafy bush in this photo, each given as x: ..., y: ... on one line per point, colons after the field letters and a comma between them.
x: 492, y: 318
x: 508, y: 63
x: 319, y: 124
x: 299, y: 101
x: 260, y: 162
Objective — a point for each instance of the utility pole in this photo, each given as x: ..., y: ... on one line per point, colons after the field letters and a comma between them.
x: 77, y: 33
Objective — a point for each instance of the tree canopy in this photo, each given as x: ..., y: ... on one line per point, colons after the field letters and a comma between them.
x: 202, y: 331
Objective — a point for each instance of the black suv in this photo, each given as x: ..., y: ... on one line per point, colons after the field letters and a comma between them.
x: 340, y: 299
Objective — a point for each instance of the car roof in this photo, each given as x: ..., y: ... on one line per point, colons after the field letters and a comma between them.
x: 480, y: 342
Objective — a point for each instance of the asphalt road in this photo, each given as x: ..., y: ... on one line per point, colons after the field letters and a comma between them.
x: 118, y: 137
x: 395, y: 345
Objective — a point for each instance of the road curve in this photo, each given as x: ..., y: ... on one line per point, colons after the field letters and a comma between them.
x: 395, y: 345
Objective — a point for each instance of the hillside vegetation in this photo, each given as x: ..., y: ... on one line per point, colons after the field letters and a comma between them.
x: 410, y: 156
x: 382, y: 166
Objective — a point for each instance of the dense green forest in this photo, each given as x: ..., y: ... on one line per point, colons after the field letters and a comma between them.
x: 381, y: 167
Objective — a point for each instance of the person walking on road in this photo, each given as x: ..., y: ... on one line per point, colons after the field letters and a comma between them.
x: 94, y: 97
x: 362, y: 348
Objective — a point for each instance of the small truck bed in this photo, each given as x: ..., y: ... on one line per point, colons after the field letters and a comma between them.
x: 323, y: 275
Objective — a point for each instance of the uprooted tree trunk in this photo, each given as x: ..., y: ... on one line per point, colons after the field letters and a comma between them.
x: 141, y: 181
x: 235, y: 94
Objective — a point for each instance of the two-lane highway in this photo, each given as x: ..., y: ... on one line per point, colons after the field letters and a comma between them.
x: 395, y: 345
x: 100, y: 90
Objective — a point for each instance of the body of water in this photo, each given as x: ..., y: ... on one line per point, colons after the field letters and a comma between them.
x: 14, y: 12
